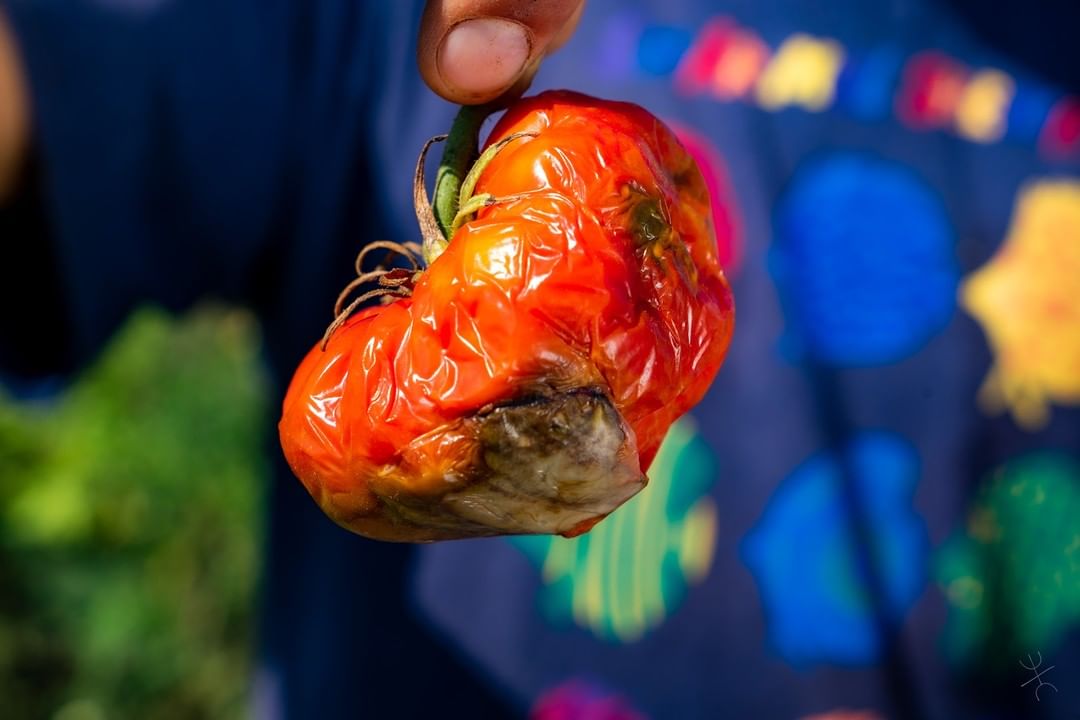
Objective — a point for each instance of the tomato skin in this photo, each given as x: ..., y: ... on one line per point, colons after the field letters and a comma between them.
x: 596, y: 268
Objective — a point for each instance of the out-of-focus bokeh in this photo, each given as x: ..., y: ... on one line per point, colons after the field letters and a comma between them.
x: 130, y: 518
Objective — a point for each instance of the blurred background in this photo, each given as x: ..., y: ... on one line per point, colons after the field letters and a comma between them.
x: 874, y: 514
x: 131, y: 505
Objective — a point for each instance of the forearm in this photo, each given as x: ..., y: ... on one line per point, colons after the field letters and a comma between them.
x: 14, y: 110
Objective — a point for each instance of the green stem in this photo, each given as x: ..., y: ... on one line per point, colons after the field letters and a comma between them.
x: 462, y: 150
x: 467, y: 208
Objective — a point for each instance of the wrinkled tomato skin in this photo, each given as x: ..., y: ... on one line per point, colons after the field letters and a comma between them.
x: 596, y: 266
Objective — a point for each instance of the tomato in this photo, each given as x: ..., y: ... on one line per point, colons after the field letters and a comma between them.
x: 533, y: 371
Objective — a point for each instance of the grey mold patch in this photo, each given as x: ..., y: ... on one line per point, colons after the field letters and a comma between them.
x: 547, y: 464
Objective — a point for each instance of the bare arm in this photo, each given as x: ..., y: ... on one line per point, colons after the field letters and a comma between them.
x: 14, y: 110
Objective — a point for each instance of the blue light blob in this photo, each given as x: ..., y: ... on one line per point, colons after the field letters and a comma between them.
x: 1028, y: 112
x: 818, y: 597
x: 660, y: 48
x: 867, y: 84
x: 863, y: 257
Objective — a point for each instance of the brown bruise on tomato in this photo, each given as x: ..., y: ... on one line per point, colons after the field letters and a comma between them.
x: 533, y: 373
x: 654, y: 237
x: 555, y: 462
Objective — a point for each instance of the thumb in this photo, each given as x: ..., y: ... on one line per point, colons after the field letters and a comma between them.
x: 471, y: 51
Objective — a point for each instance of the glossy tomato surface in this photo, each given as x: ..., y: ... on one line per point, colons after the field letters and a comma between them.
x: 594, y: 271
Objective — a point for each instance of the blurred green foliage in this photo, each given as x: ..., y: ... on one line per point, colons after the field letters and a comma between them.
x: 129, y: 527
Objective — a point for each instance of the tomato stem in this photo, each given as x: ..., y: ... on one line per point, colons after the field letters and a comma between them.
x: 461, y: 166
x: 462, y: 150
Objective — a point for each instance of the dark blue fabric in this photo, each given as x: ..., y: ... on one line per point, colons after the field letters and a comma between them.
x: 245, y: 151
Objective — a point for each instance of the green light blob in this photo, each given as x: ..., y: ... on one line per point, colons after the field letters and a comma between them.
x: 1012, y: 576
x: 628, y: 574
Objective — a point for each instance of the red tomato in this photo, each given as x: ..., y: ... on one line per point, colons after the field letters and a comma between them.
x: 541, y: 358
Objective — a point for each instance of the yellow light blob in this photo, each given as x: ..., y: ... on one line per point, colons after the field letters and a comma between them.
x: 983, y: 106
x: 803, y: 72
x: 1027, y: 298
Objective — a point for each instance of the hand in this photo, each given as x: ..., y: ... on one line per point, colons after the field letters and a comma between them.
x: 14, y: 110
x: 472, y: 51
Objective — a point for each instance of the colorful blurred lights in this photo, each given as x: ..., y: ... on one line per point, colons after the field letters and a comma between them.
x: 1027, y: 299
x: 983, y: 106
x: 725, y: 61
x: 729, y: 62
x: 821, y: 605
x: 864, y: 261
x: 1012, y: 575
x: 803, y: 72
x: 661, y: 47
x: 630, y: 571
x: 930, y: 92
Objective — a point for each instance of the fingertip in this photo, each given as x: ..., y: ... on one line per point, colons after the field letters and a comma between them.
x: 480, y: 58
x: 475, y: 51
